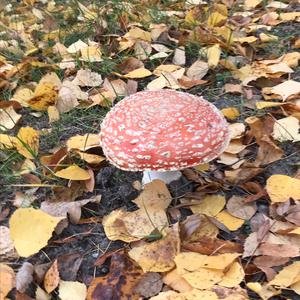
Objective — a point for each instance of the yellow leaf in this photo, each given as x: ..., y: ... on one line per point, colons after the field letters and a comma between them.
x: 45, y: 95
x: 132, y: 226
x: 210, y: 205
x: 216, y: 19
x: 83, y: 142
x: 72, y: 290
x: 247, y: 39
x: 286, y: 129
x: 153, y: 201
x: 115, y: 227
x: 53, y: 114
x: 296, y: 287
x: 7, y: 280
x: 91, y: 54
x: 203, y: 167
x: 267, y: 37
x: 213, y: 55
x: 73, y: 173
x: 138, y: 33
x: 289, y: 16
x: 30, y: 230
x: 176, y: 282
x: 264, y: 291
x: 7, y: 141
x: 138, y: 73
x: 8, y: 118
x: 230, y: 113
x: 252, y: 3
x: 203, y: 278
x: 27, y: 142
x: 231, y: 222
x: 282, y: 187
x: 287, y: 276
x: 158, y: 256
x: 234, y: 276
x: 192, y: 261
x: 91, y: 158
x: 166, y: 68
x: 266, y: 104
x: 22, y: 95
x: 286, y: 89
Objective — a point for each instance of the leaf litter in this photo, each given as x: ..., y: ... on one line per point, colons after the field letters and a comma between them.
x: 227, y: 230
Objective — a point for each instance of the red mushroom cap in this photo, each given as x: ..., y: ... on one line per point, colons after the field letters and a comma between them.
x: 163, y: 130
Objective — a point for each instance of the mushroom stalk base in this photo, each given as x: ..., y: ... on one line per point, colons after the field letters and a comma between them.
x: 166, y: 176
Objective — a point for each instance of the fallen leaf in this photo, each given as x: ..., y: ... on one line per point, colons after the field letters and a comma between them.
x: 280, y: 250
x: 211, y: 245
x: 7, y: 249
x: 234, y: 276
x: 265, y: 291
x: 150, y: 284
x: 68, y: 96
x: 287, y: 276
x: 53, y: 114
x: 45, y: 95
x: 233, y: 88
x: 197, y: 70
x: 151, y: 215
x: 8, y: 118
x: 72, y: 290
x: 83, y: 142
x: 7, y: 280
x: 159, y: 255
x: 73, y: 209
x: 230, y: 113
x: 91, y: 54
x: 282, y: 187
x: 231, y: 222
x: 265, y: 38
x: 73, y: 173
x: 266, y: 104
x: 40, y: 294
x: 138, y: 73
x: 27, y: 142
x: 286, y: 89
x: 238, y: 208
x: 86, y: 77
x: 77, y: 47
x: 213, y: 55
x: 30, y: 230
x: 179, y: 57
x: 286, y: 129
x: 118, y: 283
x: 176, y: 281
x: 210, y: 205
x: 51, y: 279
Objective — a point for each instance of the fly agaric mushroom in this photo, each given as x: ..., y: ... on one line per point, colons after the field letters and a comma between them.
x: 161, y: 132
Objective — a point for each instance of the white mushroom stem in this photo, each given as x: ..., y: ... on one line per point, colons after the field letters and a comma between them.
x: 166, y: 176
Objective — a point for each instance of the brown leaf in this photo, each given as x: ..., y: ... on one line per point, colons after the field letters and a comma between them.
x: 237, y: 207
x: 129, y: 64
x: 209, y: 245
x: 242, y: 175
x: 149, y: 285
x: 270, y: 261
x: 281, y: 250
x: 51, y: 279
x: 118, y: 283
x: 268, y: 152
x: 68, y: 265
x: 233, y: 88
